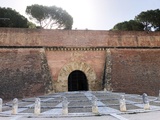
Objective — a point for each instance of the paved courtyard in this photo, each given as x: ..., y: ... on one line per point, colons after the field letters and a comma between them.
x: 89, y: 105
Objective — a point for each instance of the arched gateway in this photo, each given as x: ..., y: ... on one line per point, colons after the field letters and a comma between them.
x: 85, y: 79
x: 77, y: 81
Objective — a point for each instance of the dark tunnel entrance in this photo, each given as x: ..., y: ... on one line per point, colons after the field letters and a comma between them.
x: 77, y: 81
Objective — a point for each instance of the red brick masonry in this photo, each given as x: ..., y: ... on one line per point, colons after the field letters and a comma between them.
x: 77, y: 38
x: 135, y: 59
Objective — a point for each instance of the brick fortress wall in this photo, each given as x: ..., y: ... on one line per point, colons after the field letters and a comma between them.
x: 134, y: 57
x: 24, y: 73
x: 136, y: 71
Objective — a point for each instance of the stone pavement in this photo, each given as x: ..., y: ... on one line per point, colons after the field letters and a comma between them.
x: 96, y: 105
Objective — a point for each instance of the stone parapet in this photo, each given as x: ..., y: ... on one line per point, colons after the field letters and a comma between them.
x: 77, y: 38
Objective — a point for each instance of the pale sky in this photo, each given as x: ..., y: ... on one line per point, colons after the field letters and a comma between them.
x: 91, y: 14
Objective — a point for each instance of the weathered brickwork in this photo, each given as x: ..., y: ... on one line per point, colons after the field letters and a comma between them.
x: 136, y: 70
x: 37, y: 61
x: 21, y: 73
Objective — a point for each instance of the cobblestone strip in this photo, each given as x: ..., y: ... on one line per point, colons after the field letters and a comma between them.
x: 56, y: 111
x: 48, y: 99
x: 102, y: 110
x: 31, y: 105
x: 142, y: 106
x: 105, y: 110
x: 19, y: 109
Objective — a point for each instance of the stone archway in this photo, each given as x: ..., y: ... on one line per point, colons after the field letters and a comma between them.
x: 62, y: 82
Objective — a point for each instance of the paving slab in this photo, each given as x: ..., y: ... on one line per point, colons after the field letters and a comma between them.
x: 80, y: 106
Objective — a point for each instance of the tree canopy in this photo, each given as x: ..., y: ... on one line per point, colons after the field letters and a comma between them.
x: 50, y: 17
x: 148, y: 20
x: 131, y: 25
x: 11, y: 18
